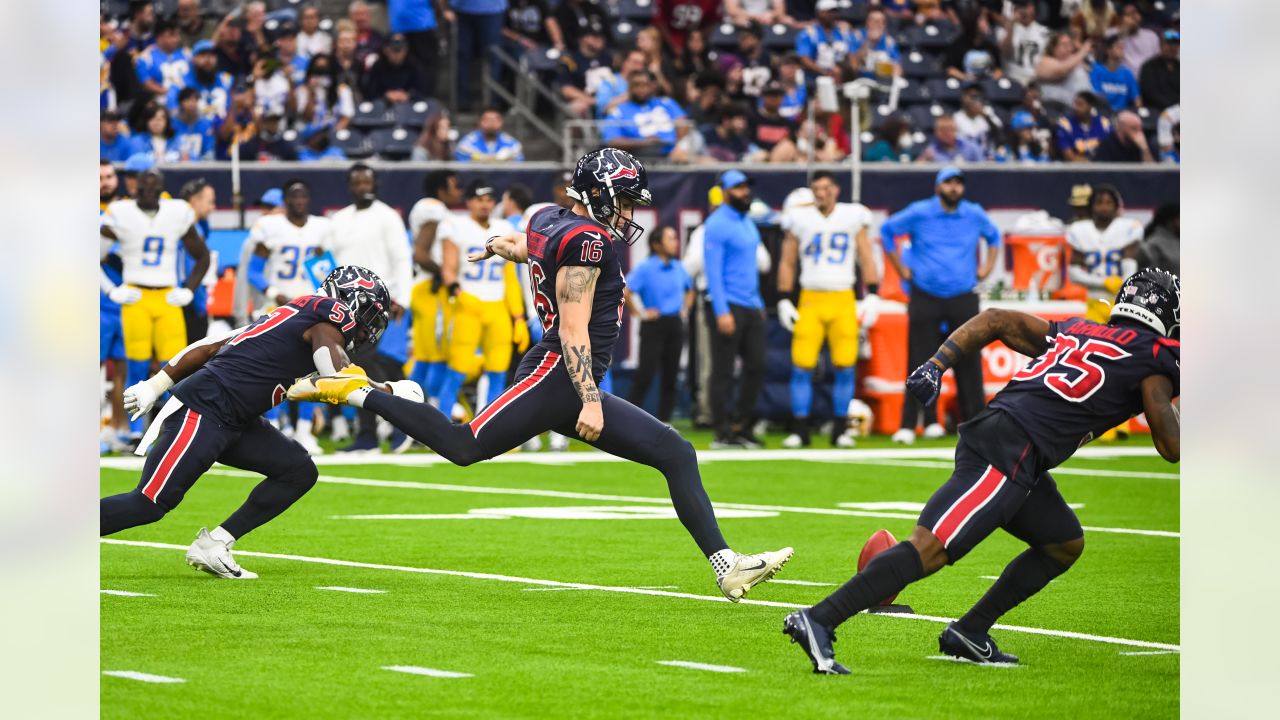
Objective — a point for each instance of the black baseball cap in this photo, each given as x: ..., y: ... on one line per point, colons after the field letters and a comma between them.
x: 479, y: 188
x: 773, y: 87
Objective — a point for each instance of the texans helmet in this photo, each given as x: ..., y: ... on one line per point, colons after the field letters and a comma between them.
x: 365, y: 295
x: 1152, y: 297
x: 605, y: 177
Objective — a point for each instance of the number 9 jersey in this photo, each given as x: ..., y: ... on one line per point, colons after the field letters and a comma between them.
x: 149, y: 243
x: 827, y: 243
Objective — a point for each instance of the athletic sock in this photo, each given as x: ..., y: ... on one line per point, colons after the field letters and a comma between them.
x: 842, y: 391
x: 221, y: 535
x: 450, y: 386
x: 435, y: 378
x: 1022, y: 578
x: 886, y: 575
x: 420, y: 373
x: 801, y: 392
x: 722, y: 561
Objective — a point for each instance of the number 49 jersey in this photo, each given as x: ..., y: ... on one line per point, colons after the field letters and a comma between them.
x: 250, y: 373
x: 558, y: 238
x: 827, y: 244
x: 1087, y: 382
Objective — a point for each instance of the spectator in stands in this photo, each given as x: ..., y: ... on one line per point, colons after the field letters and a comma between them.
x: 1022, y: 41
x: 233, y: 57
x: 975, y: 121
x: 644, y: 124
x: 942, y: 270
x: 368, y: 40
x: 790, y: 72
x: 529, y: 25
x: 705, y: 95
x: 142, y: 20
x: 418, y: 22
x: 694, y: 59
x: 1169, y: 135
x: 893, y: 141
x: 286, y: 53
x: 728, y: 140
x: 665, y: 294
x: 253, y: 38
x: 164, y: 64
x: 321, y: 100
x: 192, y: 132
x: 240, y: 124
x: 435, y: 142
x: 830, y: 142
x: 1127, y: 144
x: 582, y: 70
x: 823, y: 45
x: 948, y: 147
x: 1032, y: 106
x: 675, y: 19
x: 1161, y: 246
x: 271, y: 86
x: 931, y: 11
x: 577, y: 16
x: 316, y: 146
x: 873, y: 51
x: 193, y: 26
x: 391, y: 76
x: 1025, y: 147
x: 756, y: 60
x: 731, y: 68
x: 1140, y: 44
x: 312, y: 40
x: 1064, y: 70
x: 1081, y: 130
x: 759, y: 12
x: 479, y: 26
x: 973, y: 55
x: 903, y: 10
x: 154, y: 135
x: 347, y: 62
x: 612, y: 90
x: 213, y: 85
x: 488, y: 143
x: 1094, y: 19
x: 1160, y: 76
x: 112, y: 143
x: 771, y: 131
x: 649, y: 42
x: 1112, y: 80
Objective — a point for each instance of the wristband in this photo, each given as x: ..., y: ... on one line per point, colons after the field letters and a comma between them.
x: 943, y: 360
x: 873, y: 288
x: 160, y: 382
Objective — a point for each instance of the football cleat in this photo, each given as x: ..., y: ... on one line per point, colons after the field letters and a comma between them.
x: 308, y: 442
x: 934, y: 431
x: 904, y: 437
x: 214, y: 557
x: 333, y: 389
x: 844, y: 440
x: 815, y: 639
x: 982, y: 650
x: 340, y: 429
x: 557, y: 442
x: 793, y: 441
x: 751, y: 570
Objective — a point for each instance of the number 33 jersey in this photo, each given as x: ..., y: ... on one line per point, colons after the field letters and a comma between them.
x: 149, y: 242
x: 827, y: 244
x: 558, y: 238
x: 290, y: 246
x: 1087, y: 382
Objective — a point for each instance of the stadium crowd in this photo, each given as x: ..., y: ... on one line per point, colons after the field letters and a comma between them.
x: 688, y: 81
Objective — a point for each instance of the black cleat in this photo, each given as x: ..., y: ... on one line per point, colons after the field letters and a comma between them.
x: 956, y: 643
x: 815, y: 639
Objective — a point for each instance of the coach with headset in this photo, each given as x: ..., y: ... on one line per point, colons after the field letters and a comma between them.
x: 940, y: 270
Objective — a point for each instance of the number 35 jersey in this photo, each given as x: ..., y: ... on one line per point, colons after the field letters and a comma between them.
x: 250, y: 373
x: 1087, y: 382
x: 558, y: 238
x: 291, y: 246
x: 149, y: 242
x: 827, y: 244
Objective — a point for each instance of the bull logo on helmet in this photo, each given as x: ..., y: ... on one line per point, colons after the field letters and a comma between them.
x: 358, y: 282
x: 624, y: 172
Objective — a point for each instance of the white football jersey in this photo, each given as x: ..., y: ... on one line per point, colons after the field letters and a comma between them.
x: 486, y: 279
x: 1103, y: 249
x: 291, y: 246
x: 827, y: 244
x: 1029, y: 43
x: 149, y: 242
x: 424, y: 211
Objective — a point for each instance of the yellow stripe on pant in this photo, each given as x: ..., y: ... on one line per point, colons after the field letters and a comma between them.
x: 829, y: 316
x: 153, y: 327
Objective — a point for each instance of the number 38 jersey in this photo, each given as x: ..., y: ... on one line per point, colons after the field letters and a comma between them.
x: 1087, y: 382
x: 558, y: 238
x: 827, y: 244
x: 149, y: 243
x: 291, y: 246
x: 484, y: 280
x: 250, y: 373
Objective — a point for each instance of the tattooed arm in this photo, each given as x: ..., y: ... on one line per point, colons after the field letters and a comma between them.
x: 575, y: 292
x: 512, y: 247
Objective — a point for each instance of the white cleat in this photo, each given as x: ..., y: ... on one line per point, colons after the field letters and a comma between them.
x: 751, y: 570
x: 558, y: 443
x: 341, y: 429
x: 793, y: 441
x: 533, y: 444
x: 846, y: 440
x: 308, y: 442
x: 904, y: 437
x: 214, y: 557
x: 934, y: 431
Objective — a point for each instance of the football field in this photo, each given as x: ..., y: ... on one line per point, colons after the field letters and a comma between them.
x: 563, y: 586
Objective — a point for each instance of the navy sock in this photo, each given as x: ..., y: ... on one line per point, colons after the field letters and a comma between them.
x: 1022, y: 578
x: 886, y: 575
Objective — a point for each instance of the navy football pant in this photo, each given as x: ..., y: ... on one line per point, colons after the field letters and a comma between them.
x: 543, y: 399
x: 189, y: 444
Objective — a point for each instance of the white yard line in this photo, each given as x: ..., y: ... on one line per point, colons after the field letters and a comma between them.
x: 702, y: 666
x: 1152, y: 652
x: 801, y: 582
x: 429, y: 672
x: 339, y: 588
x: 125, y: 593
x: 634, y: 587
x: 631, y: 591
x: 142, y: 677
x: 970, y: 662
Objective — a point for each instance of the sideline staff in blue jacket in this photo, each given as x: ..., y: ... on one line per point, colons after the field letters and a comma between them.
x: 941, y: 271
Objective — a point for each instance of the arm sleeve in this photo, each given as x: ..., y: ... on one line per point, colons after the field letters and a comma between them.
x: 257, y: 273
x: 713, y: 266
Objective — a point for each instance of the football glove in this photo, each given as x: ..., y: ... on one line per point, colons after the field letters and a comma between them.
x: 140, y: 398
x: 788, y: 314
x: 520, y: 334
x: 125, y: 295
x: 925, y: 382
x: 1112, y: 285
x: 868, y: 310
x: 179, y: 297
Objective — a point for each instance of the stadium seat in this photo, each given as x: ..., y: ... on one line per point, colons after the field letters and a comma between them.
x: 911, y: 92
x: 937, y: 35
x: 945, y: 90
x: 853, y: 12
x: 541, y: 60
x: 393, y: 143
x: 352, y: 142
x: 639, y: 11
x: 373, y: 114
x: 414, y: 114
x: 1150, y: 120
x: 916, y: 64
x: 1003, y: 91
x: 880, y: 113
x: 624, y: 35
x: 723, y: 36
x: 116, y: 9
x: 780, y: 37
x: 923, y: 116
x: 273, y: 5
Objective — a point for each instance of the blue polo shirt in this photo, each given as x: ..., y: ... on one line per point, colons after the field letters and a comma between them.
x: 1118, y: 86
x: 944, y: 245
x: 660, y: 284
x: 730, y: 239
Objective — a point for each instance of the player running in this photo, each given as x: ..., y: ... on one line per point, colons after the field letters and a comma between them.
x: 825, y: 239
x: 1086, y: 377
x: 223, y: 386
x: 578, y: 283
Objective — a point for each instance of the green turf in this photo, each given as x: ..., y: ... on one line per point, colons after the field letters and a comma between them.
x: 277, y: 647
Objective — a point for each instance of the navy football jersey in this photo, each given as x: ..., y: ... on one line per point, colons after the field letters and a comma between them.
x: 251, y: 372
x: 1087, y: 382
x: 558, y: 238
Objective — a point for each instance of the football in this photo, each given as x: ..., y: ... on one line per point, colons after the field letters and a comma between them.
x: 879, y: 541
